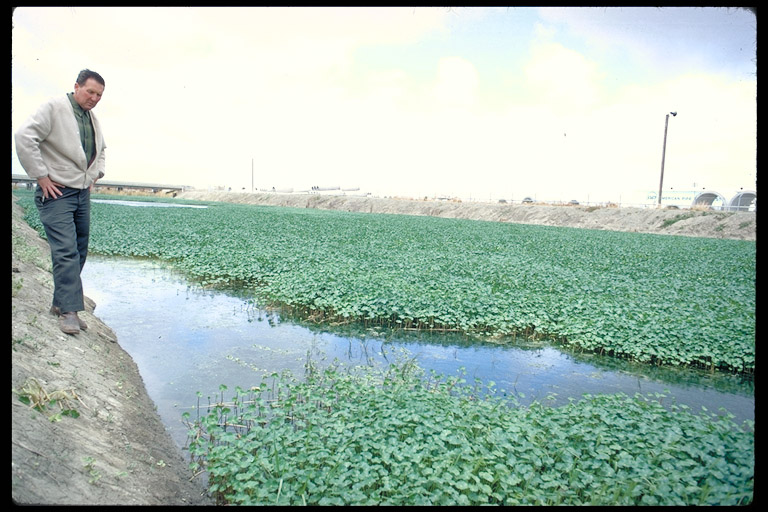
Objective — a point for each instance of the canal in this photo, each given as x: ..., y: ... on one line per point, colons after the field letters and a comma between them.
x: 187, y: 340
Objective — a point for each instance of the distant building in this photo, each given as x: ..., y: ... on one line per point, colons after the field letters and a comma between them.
x: 742, y: 201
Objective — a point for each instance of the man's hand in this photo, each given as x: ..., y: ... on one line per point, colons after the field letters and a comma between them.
x: 50, y: 187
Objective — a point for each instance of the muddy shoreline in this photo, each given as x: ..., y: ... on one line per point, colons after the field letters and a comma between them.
x: 692, y: 222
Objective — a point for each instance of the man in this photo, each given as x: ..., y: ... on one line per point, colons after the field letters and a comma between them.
x: 62, y: 147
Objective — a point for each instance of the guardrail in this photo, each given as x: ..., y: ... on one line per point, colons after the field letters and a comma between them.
x: 155, y: 187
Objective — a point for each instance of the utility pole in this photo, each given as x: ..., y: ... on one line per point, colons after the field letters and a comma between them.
x: 663, y: 153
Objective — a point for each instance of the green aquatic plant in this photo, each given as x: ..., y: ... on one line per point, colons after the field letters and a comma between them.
x: 371, y: 436
x: 657, y: 299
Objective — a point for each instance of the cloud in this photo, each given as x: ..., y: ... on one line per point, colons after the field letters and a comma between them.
x: 457, y: 82
x: 563, y: 78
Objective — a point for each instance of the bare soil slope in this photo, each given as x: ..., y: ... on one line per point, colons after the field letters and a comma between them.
x: 117, y: 451
x: 712, y: 224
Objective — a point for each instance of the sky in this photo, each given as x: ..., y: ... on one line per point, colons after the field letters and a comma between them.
x: 473, y: 103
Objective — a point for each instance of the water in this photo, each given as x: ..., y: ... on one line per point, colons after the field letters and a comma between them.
x: 141, y: 204
x: 187, y: 340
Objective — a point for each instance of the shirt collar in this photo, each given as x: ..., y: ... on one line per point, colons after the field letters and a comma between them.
x: 75, y: 105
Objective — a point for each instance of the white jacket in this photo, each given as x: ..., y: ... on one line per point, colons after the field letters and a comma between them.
x: 48, y: 144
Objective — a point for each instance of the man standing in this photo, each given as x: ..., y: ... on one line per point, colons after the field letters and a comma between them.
x: 62, y: 147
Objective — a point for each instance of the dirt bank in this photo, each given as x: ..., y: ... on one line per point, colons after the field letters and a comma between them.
x: 116, y: 452
x: 702, y: 223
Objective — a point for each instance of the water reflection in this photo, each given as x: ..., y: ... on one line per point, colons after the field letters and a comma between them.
x: 157, y: 204
x: 186, y: 340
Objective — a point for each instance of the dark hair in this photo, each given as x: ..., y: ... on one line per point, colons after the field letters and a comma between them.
x: 85, y: 74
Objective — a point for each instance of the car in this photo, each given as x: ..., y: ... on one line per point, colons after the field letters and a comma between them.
x: 573, y: 201
x: 527, y: 200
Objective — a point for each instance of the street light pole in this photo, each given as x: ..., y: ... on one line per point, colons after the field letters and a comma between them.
x: 663, y: 153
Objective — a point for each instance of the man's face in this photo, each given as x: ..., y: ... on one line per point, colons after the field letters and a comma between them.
x: 89, y: 94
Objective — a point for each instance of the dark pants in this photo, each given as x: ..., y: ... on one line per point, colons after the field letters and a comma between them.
x: 67, y: 222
